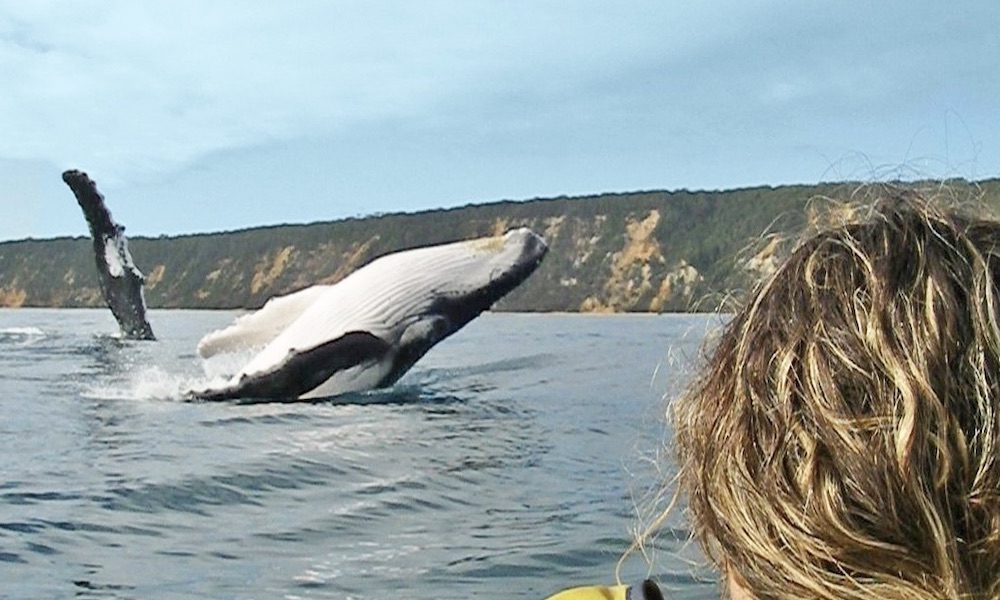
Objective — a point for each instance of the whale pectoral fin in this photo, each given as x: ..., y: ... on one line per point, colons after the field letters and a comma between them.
x: 120, y: 280
x: 261, y: 326
x: 303, y: 370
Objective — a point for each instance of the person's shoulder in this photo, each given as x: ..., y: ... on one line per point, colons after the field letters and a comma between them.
x: 647, y: 590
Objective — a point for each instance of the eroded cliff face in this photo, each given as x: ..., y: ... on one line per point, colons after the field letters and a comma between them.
x: 598, y: 262
x: 48, y: 273
x: 356, y: 256
x: 267, y: 271
x: 764, y: 262
x: 647, y: 252
x: 639, y: 277
x: 12, y: 297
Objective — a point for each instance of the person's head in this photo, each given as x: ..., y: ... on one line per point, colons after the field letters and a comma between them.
x: 843, y: 440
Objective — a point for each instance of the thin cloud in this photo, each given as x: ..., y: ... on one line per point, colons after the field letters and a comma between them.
x: 134, y: 87
x: 398, y: 105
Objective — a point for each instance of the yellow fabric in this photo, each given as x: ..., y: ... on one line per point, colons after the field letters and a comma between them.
x: 593, y: 592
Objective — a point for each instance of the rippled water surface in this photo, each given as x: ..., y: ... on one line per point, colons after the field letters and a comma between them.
x: 506, y: 464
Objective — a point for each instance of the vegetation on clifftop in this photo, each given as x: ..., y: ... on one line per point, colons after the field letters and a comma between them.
x: 645, y: 251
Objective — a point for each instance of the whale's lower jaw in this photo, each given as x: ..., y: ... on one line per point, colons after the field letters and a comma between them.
x: 378, y: 365
x: 362, y: 378
x: 356, y: 361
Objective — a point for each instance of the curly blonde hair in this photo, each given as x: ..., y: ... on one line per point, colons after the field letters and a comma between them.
x: 843, y: 440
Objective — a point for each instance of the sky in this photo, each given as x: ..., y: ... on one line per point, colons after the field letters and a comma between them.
x: 211, y: 115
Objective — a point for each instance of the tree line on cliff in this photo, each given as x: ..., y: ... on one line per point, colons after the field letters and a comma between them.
x: 653, y: 251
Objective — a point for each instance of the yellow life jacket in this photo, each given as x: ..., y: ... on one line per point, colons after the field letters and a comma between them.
x: 646, y: 591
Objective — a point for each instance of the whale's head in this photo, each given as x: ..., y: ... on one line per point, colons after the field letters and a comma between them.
x: 494, y: 266
x: 458, y: 280
x: 456, y: 283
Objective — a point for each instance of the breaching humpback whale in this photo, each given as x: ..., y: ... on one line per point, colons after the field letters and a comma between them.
x: 367, y: 330
x: 121, y: 282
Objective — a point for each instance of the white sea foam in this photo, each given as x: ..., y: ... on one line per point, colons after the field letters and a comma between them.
x: 21, y: 332
x: 151, y: 383
x: 21, y: 336
x: 222, y: 366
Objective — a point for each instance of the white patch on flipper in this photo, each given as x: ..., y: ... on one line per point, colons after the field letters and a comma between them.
x: 111, y: 258
x: 255, y: 329
x: 224, y: 364
x: 117, y: 256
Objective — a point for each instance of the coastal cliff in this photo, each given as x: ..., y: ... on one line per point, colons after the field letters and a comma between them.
x: 638, y: 252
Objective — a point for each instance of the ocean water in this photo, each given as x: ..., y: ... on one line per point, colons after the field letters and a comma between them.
x: 514, y: 460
